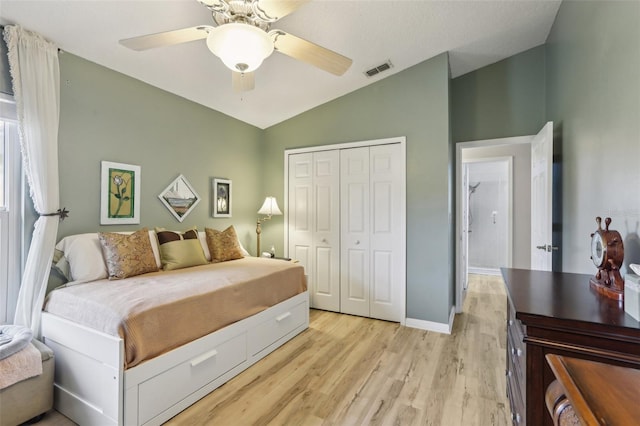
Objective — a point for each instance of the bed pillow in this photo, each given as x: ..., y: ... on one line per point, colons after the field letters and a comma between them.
x: 180, y: 249
x: 202, y: 236
x: 223, y: 245
x: 83, y: 255
x: 127, y: 255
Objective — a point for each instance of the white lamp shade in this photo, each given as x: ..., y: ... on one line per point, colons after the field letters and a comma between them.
x: 241, y: 47
x: 270, y: 207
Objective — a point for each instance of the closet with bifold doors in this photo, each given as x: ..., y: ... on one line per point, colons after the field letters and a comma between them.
x: 345, y: 222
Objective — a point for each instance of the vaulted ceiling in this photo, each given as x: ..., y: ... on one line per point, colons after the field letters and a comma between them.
x: 406, y: 32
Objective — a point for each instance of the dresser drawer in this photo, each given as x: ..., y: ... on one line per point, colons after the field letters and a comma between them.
x: 518, y: 360
x: 277, y: 326
x: 516, y: 367
x: 516, y: 400
x: 162, y: 391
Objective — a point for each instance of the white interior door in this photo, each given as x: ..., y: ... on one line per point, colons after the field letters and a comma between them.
x: 386, y: 243
x: 541, y: 198
x: 355, y: 225
x: 463, y: 267
x: 326, y: 230
x: 300, y: 210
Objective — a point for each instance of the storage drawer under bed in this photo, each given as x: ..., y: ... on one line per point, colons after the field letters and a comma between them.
x: 276, y: 327
x: 171, y: 386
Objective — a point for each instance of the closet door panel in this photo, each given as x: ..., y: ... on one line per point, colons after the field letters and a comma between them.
x: 355, y: 223
x: 386, y: 249
x: 383, y: 289
x: 326, y: 229
x: 300, y: 210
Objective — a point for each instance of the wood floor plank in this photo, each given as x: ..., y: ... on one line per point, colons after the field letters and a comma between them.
x: 347, y: 370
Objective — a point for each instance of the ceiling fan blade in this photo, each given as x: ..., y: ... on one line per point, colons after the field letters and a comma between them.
x: 277, y: 9
x: 166, y: 38
x: 310, y: 53
x: 242, y: 81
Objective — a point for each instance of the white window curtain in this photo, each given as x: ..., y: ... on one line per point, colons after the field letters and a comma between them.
x: 35, y: 72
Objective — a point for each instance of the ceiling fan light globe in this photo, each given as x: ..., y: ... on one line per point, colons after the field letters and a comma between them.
x: 241, y: 47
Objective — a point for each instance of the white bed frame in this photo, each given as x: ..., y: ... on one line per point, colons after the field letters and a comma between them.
x: 93, y: 388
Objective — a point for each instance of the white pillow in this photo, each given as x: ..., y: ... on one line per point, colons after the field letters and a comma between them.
x: 243, y: 250
x: 84, y: 255
x: 202, y: 237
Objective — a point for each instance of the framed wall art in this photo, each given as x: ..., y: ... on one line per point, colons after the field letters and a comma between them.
x: 221, y: 197
x: 119, y: 193
x: 179, y: 198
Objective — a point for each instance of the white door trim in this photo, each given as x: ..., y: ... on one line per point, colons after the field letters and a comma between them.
x: 402, y: 140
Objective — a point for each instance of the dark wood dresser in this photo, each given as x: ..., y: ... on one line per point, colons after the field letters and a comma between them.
x: 558, y: 313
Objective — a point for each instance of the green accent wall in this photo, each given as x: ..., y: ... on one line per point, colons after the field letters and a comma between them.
x: 415, y: 104
x: 108, y: 116
x: 501, y: 100
x: 593, y: 98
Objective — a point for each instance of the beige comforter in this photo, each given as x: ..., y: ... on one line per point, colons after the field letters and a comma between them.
x: 157, y: 312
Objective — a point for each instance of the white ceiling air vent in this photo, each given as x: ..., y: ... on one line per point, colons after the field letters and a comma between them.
x: 380, y: 68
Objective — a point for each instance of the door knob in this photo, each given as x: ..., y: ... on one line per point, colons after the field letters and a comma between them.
x: 357, y: 242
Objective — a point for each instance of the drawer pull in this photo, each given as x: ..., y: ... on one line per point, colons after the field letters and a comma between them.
x: 202, y: 358
x: 283, y: 316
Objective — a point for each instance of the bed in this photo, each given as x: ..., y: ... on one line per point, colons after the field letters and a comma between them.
x: 139, y: 350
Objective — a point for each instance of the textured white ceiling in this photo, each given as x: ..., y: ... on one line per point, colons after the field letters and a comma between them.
x: 407, y: 32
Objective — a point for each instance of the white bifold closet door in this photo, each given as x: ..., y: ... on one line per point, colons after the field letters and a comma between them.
x: 314, y: 223
x: 370, y: 209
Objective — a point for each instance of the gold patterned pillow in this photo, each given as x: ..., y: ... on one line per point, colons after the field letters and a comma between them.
x: 223, y: 245
x: 127, y: 255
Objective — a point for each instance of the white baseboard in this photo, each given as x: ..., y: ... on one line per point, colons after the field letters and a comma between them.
x: 483, y: 271
x: 433, y: 326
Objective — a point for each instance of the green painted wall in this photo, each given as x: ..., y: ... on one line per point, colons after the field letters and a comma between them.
x: 593, y: 97
x: 500, y: 100
x: 109, y: 116
x: 415, y: 104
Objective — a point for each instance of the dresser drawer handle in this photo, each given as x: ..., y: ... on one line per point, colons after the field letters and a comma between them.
x: 283, y: 316
x: 202, y: 358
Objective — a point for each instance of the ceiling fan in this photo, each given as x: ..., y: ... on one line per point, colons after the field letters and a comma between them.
x: 242, y: 38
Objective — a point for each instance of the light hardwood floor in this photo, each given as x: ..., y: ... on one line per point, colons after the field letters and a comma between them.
x: 347, y: 370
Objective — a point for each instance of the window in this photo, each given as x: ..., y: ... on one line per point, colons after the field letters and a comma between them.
x: 11, y: 201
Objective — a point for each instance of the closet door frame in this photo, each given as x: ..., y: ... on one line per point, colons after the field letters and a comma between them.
x: 402, y: 141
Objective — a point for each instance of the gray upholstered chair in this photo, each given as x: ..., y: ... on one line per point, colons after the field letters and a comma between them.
x: 29, y: 398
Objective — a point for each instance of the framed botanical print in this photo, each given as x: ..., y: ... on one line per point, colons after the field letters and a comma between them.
x: 221, y: 197
x: 119, y: 193
x: 179, y: 198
